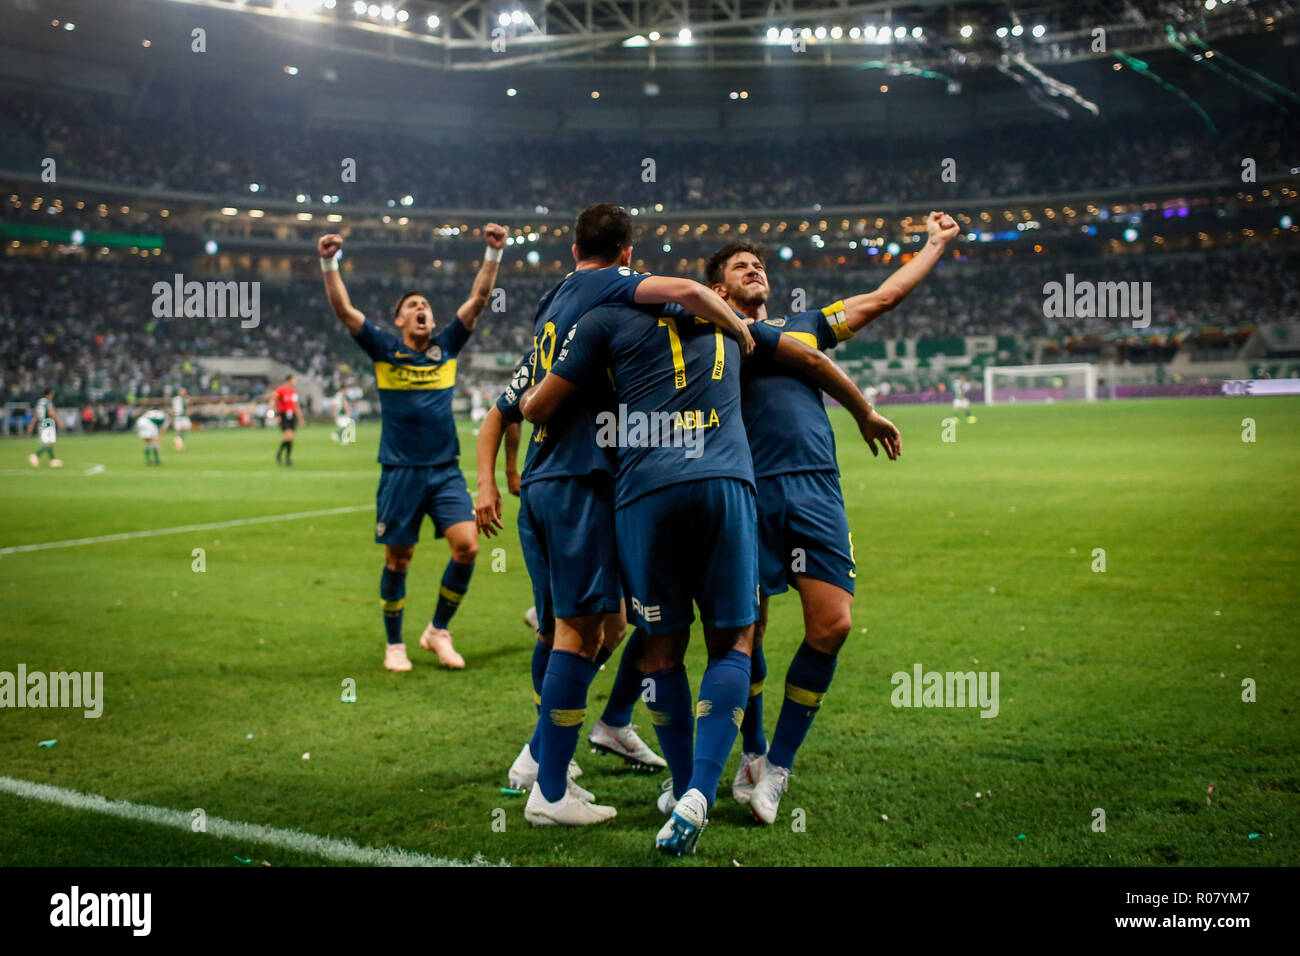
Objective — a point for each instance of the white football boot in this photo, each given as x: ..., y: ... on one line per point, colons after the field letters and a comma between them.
x: 772, y: 783
x: 666, y: 801
x: 626, y: 743
x: 530, y: 617
x: 437, y: 640
x: 523, y: 772
x: 395, y: 658
x: 569, y: 810
x: 682, y: 831
x: 742, y: 788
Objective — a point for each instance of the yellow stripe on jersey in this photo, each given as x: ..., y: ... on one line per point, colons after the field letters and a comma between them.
x: 407, y: 377
x: 452, y: 596
x: 807, y: 338
x: 839, y: 321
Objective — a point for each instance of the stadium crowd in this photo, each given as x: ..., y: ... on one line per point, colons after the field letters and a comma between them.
x: 89, y: 328
x: 225, y: 153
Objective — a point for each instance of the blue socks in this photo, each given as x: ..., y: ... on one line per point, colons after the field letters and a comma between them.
x: 754, y: 741
x: 392, y: 594
x: 627, y: 684
x: 669, y: 704
x: 723, y: 692
x: 564, y: 707
x: 806, y: 684
x: 455, y: 582
x: 541, y: 654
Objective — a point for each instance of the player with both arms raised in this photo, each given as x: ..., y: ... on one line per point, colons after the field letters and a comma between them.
x: 418, y: 446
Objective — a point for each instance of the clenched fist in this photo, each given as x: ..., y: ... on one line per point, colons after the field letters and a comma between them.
x: 329, y: 246
x: 495, y: 235
x: 941, y: 226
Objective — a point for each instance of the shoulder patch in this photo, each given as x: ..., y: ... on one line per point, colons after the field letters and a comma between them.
x: 777, y: 323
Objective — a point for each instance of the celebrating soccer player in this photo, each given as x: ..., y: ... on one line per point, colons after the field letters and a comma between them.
x: 418, y: 446
x: 803, y: 532
x: 566, y: 513
x: 684, y: 516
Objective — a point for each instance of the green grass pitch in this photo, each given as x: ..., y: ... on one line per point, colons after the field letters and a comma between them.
x: 1120, y: 690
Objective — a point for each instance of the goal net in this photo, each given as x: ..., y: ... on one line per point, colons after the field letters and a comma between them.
x: 1040, y: 383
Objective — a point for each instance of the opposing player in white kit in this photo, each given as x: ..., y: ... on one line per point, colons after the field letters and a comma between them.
x: 44, y: 420
x: 344, y: 423
x: 180, y: 420
x: 150, y: 426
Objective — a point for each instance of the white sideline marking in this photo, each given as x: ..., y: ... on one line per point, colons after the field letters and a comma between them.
x: 154, y: 532
x: 328, y: 847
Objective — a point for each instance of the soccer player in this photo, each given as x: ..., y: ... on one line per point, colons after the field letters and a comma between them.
x: 685, y: 516
x: 150, y: 426
x: 613, y: 732
x: 44, y: 419
x: 180, y: 421
x: 343, y: 419
x: 290, y: 412
x: 804, y: 537
x: 418, y: 446
x: 961, y: 398
x: 566, y: 511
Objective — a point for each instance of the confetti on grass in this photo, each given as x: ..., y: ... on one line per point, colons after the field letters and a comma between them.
x: 1020, y: 837
x: 512, y: 792
x: 242, y: 860
x: 47, y: 743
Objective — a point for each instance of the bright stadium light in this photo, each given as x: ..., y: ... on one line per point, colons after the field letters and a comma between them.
x: 786, y: 253
x: 402, y: 16
x: 387, y: 11
x: 517, y: 17
x: 684, y: 35
x: 1130, y: 234
x: 1039, y: 31
x: 1285, y: 222
x: 654, y: 36
x: 210, y: 247
x: 893, y: 248
x: 917, y: 33
x: 359, y: 7
x: 900, y: 32
x: 78, y: 237
x: 1017, y: 30
x: 512, y: 92
x: 408, y: 200
x: 820, y: 33
x: 503, y: 19
x: 967, y: 31
x: 636, y: 41
x: 69, y: 26
x: 373, y: 10
x: 773, y: 34
x: 837, y: 32
x: 301, y: 197
x: 533, y: 257
x: 1002, y: 33
x: 433, y: 22
x: 855, y: 33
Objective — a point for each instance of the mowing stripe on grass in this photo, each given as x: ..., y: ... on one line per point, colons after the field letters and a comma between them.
x: 327, y: 847
x: 154, y: 532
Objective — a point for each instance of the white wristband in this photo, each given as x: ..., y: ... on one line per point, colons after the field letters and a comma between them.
x: 493, y: 255
x: 329, y: 265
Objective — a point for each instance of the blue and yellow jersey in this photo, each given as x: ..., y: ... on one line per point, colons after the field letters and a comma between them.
x: 415, y: 391
x: 565, y: 447
x: 520, y: 381
x: 677, y: 380
x: 784, y: 414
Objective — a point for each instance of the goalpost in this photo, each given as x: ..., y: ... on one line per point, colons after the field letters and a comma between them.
x: 1040, y: 383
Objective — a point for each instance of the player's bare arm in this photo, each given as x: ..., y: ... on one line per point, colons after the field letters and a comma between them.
x: 700, y: 300
x: 862, y: 310
x: 544, y: 399
x: 514, y: 479
x: 328, y: 247
x: 831, y: 379
x: 487, y: 505
x: 473, y: 307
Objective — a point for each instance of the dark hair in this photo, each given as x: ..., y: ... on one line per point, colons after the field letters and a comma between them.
x: 716, y: 269
x: 602, y: 232
x: 402, y: 301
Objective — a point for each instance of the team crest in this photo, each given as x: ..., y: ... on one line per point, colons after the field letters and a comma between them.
x: 775, y: 322
x: 379, y: 529
x: 434, y: 354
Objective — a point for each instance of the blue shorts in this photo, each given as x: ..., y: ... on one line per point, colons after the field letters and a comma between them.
x: 409, y: 492
x: 566, y: 530
x: 686, y: 544
x: 802, y: 529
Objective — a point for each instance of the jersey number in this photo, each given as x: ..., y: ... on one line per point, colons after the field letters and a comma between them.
x: 679, y: 361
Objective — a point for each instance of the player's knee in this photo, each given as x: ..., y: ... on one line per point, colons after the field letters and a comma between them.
x: 465, y: 552
x: 829, y: 633
x: 398, y: 559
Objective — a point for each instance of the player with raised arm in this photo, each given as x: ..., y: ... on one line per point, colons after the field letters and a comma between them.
x: 44, y: 417
x: 804, y: 537
x: 566, y: 513
x: 290, y: 412
x: 418, y: 446
x: 685, y: 515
